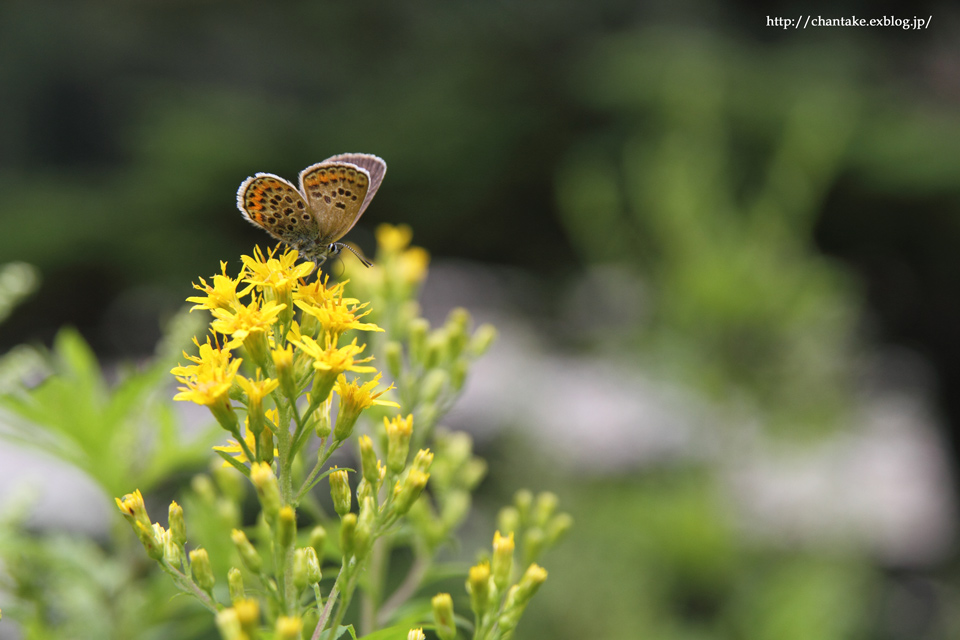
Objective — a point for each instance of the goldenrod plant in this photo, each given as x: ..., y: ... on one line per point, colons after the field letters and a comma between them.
x: 291, y: 370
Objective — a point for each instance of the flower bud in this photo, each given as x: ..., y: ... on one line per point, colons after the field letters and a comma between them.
x: 399, y: 431
x: 203, y: 487
x: 544, y: 508
x: 523, y: 499
x: 404, y: 495
x: 458, y: 374
x: 348, y: 531
x: 502, y: 562
x: 265, y: 441
x: 457, y: 324
x: 230, y: 483
x: 178, y: 528
x: 533, y: 540
x: 422, y: 461
x: 172, y: 553
x: 418, y: 336
x: 443, y: 618
x: 201, y: 569
x: 321, y: 418
x: 261, y: 474
x: 364, y: 490
x: 150, y: 538
x: 557, y: 528
x: 427, y: 417
x: 520, y: 594
x: 472, y: 472
x: 368, y: 460
x: 133, y: 508
x: 340, y: 492
x: 433, y: 384
x: 306, y: 567
x: 416, y: 634
x: 288, y: 628
x: 300, y: 569
x: 228, y: 623
x: 318, y: 539
x: 478, y: 586
x: 313, y: 566
x: 247, y: 551
x: 455, y: 507
x: 363, y: 539
x: 226, y: 417
x: 287, y: 526
x: 436, y: 349
x: 323, y: 381
x: 235, y: 583
x: 483, y: 337
x: 283, y: 362
x: 394, y: 358
x: 248, y: 612
x: 509, y: 519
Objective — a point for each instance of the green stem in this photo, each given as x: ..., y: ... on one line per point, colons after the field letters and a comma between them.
x: 322, y: 457
x: 374, y: 591
x: 184, y: 582
x: 347, y: 596
x: 407, y: 588
x: 298, y: 419
x: 325, y: 614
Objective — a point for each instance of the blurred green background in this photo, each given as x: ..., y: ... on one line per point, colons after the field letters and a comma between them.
x: 753, y: 216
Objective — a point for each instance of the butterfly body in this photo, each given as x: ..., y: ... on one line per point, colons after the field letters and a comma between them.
x: 333, y: 194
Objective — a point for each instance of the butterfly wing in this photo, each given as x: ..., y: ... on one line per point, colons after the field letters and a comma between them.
x: 275, y: 205
x: 335, y: 192
x: 375, y: 166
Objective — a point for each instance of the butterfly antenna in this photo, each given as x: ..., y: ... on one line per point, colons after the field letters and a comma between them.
x: 365, y: 262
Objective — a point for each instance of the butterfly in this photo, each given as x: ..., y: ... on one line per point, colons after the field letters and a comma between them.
x: 333, y: 195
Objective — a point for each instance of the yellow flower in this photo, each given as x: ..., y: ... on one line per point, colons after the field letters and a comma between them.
x: 233, y: 447
x: 280, y: 274
x: 248, y: 319
x: 209, y: 380
x: 338, y: 316
x: 317, y: 292
x: 334, y: 360
x: 330, y: 363
x: 412, y: 265
x: 391, y: 239
x: 222, y: 295
x: 256, y: 390
x: 354, y: 399
x: 133, y: 508
x: 399, y: 430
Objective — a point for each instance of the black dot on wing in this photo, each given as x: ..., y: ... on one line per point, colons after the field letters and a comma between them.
x: 353, y: 197
x: 306, y: 217
x: 340, y: 190
x: 340, y: 205
x: 288, y: 211
x: 300, y: 205
x: 327, y: 199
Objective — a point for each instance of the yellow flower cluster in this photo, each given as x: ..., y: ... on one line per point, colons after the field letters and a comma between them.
x: 290, y: 334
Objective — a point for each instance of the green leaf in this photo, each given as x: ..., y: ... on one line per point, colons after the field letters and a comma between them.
x: 340, y: 631
x: 325, y: 474
x: 242, y: 468
x: 397, y: 632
